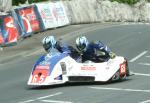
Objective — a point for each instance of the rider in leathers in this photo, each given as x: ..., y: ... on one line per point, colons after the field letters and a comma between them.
x: 93, y: 51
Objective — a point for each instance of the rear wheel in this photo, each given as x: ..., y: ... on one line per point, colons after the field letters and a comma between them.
x: 123, y: 77
x: 122, y: 73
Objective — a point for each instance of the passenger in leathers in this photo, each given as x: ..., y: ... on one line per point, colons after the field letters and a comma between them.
x: 50, y: 42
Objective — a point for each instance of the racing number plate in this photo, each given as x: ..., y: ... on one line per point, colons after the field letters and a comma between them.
x: 123, y: 68
x: 39, y: 75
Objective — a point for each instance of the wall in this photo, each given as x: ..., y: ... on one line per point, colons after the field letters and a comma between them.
x: 85, y: 11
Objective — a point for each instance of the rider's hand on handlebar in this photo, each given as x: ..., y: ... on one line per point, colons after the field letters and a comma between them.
x: 112, y: 55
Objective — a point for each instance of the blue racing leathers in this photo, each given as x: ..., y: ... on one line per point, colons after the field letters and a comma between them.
x: 62, y: 47
x: 65, y: 48
x: 96, y: 52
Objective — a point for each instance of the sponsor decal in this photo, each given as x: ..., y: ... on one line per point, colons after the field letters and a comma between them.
x: 90, y: 68
x: 44, y: 63
x: 42, y: 67
x: 63, y: 67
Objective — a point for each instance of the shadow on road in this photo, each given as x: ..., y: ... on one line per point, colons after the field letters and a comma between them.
x: 75, y: 84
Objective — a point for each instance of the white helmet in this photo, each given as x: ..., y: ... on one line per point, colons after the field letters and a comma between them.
x: 82, y: 43
x: 48, y: 42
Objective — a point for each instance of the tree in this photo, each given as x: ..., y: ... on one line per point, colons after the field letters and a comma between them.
x: 130, y: 2
x: 17, y: 2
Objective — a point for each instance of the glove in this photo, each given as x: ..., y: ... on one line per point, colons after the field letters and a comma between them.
x: 112, y: 55
x: 100, y: 53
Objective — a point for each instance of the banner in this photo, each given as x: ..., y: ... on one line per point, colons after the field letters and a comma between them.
x: 11, y: 31
x: 18, y: 25
x: 1, y: 37
x: 28, y: 19
x: 8, y: 30
x: 46, y: 15
x: 60, y: 14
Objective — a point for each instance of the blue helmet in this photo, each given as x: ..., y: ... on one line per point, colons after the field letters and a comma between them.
x: 48, y: 42
x: 81, y: 43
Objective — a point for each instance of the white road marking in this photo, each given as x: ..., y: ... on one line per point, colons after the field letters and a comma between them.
x: 148, y: 56
x: 39, y: 51
x: 1, y: 49
x: 138, y: 56
x: 31, y: 100
x: 27, y: 101
x: 52, y: 95
x: 146, y: 101
x: 122, y: 89
x: 54, y: 101
x: 141, y: 74
x: 147, y: 64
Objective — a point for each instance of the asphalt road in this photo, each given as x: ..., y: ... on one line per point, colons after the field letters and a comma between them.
x: 130, y: 41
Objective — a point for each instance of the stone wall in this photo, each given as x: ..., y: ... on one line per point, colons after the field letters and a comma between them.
x: 88, y: 11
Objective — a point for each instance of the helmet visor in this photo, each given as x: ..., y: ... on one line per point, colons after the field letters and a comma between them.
x: 47, y: 46
x: 81, y: 47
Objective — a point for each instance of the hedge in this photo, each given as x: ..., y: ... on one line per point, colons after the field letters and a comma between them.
x: 130, y: 2
x: 17, y: 2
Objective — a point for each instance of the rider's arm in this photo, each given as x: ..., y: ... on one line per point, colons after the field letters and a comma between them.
x: 105, y: 48
x: 62, y: 47
x: 102, y: 46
